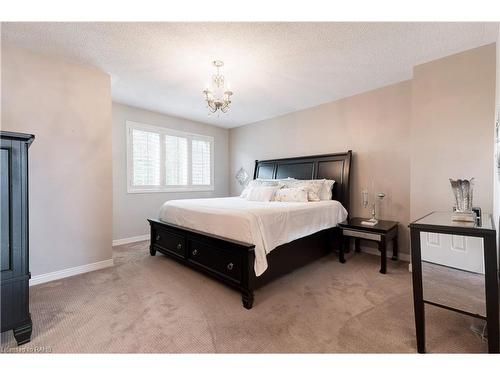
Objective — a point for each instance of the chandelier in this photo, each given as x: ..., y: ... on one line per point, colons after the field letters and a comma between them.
x: 217, y: 95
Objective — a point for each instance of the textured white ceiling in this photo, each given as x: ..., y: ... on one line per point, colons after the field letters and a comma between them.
x: 273, y: 68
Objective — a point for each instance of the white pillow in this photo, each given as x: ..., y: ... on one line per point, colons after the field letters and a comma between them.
x: 275, y: 179
x: 313, y: 187
x: 326, y: 191
x: 291, y: 195
x: 262, y: 193
x: 260, y: 182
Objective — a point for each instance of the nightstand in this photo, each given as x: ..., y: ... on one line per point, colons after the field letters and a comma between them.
x: 384, y: 232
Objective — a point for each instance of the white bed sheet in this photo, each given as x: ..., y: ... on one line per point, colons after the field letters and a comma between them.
x: 267, y: 225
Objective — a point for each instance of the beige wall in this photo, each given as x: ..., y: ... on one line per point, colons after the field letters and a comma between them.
x: 408, y: 138
x: 375, y: 125
x: 68, y: 108
x: 130, y: 211
x: 453, y: 102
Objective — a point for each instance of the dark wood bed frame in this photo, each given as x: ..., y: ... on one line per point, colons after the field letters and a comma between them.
x: 232, y: 262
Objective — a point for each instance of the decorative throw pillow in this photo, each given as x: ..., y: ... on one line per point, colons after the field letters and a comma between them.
x: 326, y: 191
x: 291, y: 195
x: 262, y: 193
x: 313, y: 187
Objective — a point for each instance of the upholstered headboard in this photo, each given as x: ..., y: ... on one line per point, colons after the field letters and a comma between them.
x: 331, y: 166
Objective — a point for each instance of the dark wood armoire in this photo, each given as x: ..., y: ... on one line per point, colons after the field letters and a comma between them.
x: 15, y: 273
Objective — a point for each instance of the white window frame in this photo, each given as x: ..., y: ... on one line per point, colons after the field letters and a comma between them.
x: 163, y: 188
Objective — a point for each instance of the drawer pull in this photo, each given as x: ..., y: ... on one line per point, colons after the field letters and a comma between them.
x: 158, y: 237
x: 195, y: 252
x: 179, y: 246
x: 230, y: 266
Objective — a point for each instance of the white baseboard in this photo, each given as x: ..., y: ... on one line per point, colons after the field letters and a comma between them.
x: 370, y: 250
x: 124, y: 241
x: 51, y: 276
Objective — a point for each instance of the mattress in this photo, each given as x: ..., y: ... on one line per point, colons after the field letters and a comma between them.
x: 266, y: 225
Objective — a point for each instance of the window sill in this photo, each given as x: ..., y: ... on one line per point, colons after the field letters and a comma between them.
x: 190, y: 189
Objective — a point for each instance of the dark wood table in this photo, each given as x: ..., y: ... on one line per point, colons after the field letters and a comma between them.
x: 382, y: 233
x: 440, y: 222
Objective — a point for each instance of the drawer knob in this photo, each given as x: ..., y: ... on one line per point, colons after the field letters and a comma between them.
x: 195, y: 252
x: 230, y: 266
x: 179, y: 246
x: 158, y: 237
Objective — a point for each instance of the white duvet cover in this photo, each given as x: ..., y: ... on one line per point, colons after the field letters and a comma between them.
x: 266, y: 225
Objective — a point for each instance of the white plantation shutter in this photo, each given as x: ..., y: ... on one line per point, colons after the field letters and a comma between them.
x: 176, y: 160
x: 164, y: 160
x: 201, y: 163
x: 145, y: 158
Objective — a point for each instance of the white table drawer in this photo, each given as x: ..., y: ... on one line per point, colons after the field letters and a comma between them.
x: 360, y: 234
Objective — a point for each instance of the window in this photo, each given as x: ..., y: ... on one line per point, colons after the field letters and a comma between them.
x: 200, y: 162
x: 162, y: 160
x: 176, y: 161
x: 146, y: 158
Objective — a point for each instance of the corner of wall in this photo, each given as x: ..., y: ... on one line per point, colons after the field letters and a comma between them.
x: 68, y: 107
x: 496, y: 166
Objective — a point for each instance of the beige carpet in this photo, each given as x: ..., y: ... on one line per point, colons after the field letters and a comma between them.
x: 154, y: 304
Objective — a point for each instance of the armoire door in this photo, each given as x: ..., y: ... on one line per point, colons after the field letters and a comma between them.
x: 12, y: 225
x: 5, y: 247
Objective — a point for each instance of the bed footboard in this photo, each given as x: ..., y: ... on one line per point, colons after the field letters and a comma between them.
x: 229, y: 261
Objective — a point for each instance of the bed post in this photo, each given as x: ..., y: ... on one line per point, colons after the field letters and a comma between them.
x: 152, y: 250
x: 248, y: 278
x: 247, y: 298
x: 336, y: 243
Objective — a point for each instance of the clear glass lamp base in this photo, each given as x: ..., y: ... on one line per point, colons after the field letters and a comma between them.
x: 370, y: 222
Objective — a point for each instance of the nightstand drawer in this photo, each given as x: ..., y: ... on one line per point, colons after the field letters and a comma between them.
x: 359, y: 234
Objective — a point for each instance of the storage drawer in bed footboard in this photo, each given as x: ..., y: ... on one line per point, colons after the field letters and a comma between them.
x: 225, y: 263
x: 168, y: 241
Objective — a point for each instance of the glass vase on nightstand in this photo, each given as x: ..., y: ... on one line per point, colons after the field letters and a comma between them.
x: 373, y: 220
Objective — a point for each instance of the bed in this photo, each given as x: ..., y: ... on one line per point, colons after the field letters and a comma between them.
x: 247, y: 244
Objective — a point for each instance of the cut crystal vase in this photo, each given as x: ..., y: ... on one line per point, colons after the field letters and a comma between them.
x: 462, y: 190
